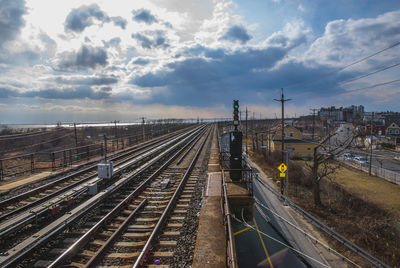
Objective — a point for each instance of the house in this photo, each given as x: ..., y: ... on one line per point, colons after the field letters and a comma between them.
x: 392, y: 124
x: 294, y: 141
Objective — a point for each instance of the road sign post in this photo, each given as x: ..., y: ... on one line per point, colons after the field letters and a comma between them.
x: 283, y: 168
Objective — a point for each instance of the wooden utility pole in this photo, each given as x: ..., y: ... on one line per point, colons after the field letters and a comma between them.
x: 143, y: 128
x: 115, y: 132
x: 282, y: 100
x: 313, y: 122
x: 76, y: 137
x: 247, y: 138
x: 372, y: 135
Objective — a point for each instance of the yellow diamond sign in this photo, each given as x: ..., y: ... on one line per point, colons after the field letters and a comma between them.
x: 282, y: 168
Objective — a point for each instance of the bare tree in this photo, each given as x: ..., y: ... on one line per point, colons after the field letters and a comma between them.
x: 323, y: 162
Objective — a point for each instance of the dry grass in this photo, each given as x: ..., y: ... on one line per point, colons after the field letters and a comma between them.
x: 372, y: 189
x: 382, y: 193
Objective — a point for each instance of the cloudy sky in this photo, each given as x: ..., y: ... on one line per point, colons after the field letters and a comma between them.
x: 81, y: 60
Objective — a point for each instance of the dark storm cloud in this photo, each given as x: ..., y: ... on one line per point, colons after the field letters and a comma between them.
x: 143, y: 15
x: 89, y: 81
x: 158, y: 40
x: 11, y: 20
x: 214, y: 75
x: 119, y: 21
x: 199, y: 81
x: 236, y: 33
x: 67, y: 93
x: 86, y: 57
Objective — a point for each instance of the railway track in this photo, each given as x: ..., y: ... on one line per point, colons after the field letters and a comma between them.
x: 29, y: 195
x: 132, y: 183
x: 53, y: 205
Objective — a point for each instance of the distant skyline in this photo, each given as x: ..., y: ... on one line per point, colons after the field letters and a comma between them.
x: 85, y: 61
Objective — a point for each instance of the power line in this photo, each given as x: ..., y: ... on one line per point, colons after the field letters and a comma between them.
x: 353, y: 90
x: 344, y: 67
x: 353, y: 79
x: 374, y: 72
x: 376, y: 85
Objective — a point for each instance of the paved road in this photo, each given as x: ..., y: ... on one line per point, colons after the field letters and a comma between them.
x: 380, y: 158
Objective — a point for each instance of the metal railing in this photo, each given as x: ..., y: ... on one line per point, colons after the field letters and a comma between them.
x: 230, y: 240
x: 390, y: 176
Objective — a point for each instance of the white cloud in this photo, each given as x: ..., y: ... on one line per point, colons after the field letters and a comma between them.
x: 347, y: 40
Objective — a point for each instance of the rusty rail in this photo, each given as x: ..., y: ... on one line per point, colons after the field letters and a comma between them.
x: 147, y: 247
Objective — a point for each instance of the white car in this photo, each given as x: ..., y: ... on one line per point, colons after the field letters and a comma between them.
x: 361, y: 160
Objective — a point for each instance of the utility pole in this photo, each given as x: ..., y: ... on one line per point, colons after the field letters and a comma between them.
x: 105, y: 148
x: 76, y: 137
x: 247, y: 138
x: 313, y: 122
x: 115, y: 131
x: 282, y: 100
x: 328, y: 125
x: 370, y: 155
x: 143, y: 128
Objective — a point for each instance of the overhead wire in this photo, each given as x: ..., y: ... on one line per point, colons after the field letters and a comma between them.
x: 355, y: 79
x: 344, y: 67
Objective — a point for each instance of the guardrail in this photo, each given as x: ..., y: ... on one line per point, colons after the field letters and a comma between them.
x: 390, y: 176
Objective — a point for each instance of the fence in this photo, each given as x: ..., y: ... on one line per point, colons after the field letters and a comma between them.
x: 391, y: 176
x: 38, y: 161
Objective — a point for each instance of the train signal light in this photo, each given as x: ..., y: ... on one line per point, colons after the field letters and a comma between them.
x: 235, y: 113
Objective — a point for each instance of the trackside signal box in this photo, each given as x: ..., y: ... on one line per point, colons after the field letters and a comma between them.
x: 105, y: 170
x: 235, y: 148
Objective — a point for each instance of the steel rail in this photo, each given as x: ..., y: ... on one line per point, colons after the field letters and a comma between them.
x: 32, y: 216
x: 73, y: 249
x: 26, y: 247
x: 79, y: 172
x: 326, y: 229
x: 147, y: 247
x: 186, y: 153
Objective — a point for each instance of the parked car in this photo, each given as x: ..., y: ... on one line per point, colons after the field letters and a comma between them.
x: 361, y: 160
x: 348, y: 156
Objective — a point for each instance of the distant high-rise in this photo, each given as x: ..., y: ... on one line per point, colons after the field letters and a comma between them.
x: 348, y: 114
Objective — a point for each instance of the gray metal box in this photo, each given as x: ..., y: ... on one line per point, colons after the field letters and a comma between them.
x: 92, y: 188
x: 105, y: 170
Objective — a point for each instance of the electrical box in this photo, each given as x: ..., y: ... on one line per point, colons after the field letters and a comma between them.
x: 105, y: 170
x: 92, y: 188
